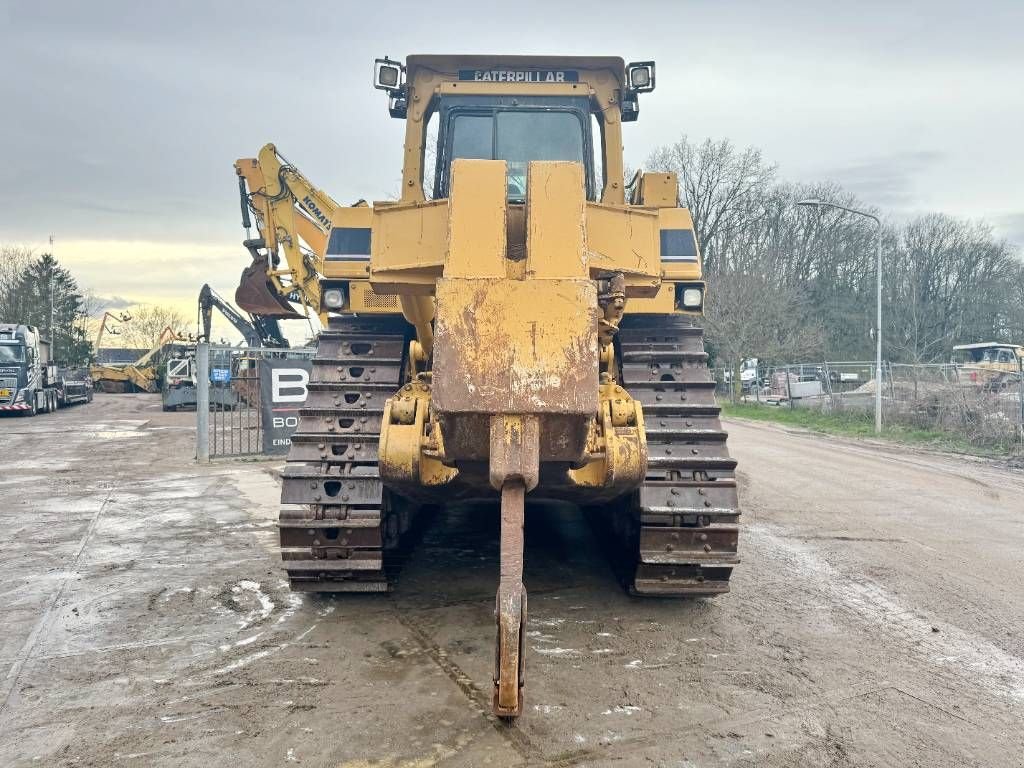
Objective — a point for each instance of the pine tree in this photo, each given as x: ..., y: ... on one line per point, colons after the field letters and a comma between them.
x: 48, y: 297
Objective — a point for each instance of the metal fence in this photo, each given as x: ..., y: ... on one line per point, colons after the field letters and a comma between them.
x: 984, y: 406
x: 231, y: 412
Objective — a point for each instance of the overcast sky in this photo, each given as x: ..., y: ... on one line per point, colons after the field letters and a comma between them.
x: 121, y: 120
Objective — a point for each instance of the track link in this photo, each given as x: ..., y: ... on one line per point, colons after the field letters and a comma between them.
x: 338, y: 523
x: 681, y: 526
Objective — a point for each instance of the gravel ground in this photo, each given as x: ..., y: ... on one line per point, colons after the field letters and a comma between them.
x: 876, y: 620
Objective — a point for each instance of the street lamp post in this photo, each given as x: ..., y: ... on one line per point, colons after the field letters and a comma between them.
x: 814, y: 202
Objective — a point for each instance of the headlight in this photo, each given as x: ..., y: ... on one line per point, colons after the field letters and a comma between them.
x: 334, y: 298
x: 388, y: 76
x: 692, y: 298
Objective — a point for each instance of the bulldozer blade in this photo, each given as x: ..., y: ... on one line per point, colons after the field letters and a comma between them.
x: 256, y: 295
x: 510, y: 609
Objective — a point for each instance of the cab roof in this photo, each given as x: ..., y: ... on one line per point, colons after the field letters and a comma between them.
x: 988, y: 345
x: 449, y: 65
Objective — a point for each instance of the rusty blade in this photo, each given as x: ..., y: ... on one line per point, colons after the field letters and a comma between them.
x: 257, y: 296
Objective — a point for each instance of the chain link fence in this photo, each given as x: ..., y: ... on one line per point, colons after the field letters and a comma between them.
x: 983, y: 406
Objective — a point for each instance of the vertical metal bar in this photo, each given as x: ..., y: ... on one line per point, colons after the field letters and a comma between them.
x: 1020, y: 394
x: 892, y: 387
x: 259, y: 408
x: 231, y: 416
x: 878, y: 330
x: 225, y: 423
x: 203, y: 402
x: 247, y: 417
x: 828, y: 384
x: 223, y: 438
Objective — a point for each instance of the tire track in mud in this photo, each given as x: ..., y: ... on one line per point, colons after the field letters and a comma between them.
x: 10, y: 683
x: 480, y: 701
x: 956, y: 658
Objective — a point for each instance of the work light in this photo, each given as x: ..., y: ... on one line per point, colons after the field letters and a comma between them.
x: 334, y: 298
x: 640, y: 75
x: 692, y: 298
x: 387, y: 74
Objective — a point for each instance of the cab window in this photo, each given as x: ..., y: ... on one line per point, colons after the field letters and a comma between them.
x: 517, y: 133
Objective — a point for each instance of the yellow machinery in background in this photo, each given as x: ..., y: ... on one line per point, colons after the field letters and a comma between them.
x: 138, y: 376
x: 991, y: 365
x: 520, y: 324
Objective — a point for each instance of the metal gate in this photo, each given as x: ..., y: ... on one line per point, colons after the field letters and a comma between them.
x: 232, y: 406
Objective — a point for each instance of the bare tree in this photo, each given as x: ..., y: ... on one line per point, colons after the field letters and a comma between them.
x: 748, y: 316
x: 717, y: 183
x: 147, y: 322
x: 946, y: 280
x: 14, y: 263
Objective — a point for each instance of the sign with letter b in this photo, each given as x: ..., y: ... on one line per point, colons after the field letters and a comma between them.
x: 283, y: 387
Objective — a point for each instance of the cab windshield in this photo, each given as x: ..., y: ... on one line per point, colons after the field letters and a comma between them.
x: 12, y: 353
x: 516, y: 133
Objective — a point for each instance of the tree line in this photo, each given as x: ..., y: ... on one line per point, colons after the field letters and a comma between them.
x: 36, y: 290
x: 789, y: 282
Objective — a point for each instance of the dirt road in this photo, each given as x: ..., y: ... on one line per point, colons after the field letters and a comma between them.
x: 876, y: 620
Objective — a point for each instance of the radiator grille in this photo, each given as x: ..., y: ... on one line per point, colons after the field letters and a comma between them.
x: 377, y: 301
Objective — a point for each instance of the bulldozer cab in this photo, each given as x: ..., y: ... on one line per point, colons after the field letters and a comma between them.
x: 517, y: 109
x: 516, y: 130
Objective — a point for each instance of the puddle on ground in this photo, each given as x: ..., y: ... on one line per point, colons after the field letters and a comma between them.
x: 19, y: 479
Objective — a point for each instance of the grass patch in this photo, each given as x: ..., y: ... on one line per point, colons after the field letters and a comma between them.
x: 852, y: 423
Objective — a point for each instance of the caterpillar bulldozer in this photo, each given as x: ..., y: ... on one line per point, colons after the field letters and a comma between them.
x: 521, y: 323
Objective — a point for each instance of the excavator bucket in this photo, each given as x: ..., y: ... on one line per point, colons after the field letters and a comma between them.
x: 257, y: 296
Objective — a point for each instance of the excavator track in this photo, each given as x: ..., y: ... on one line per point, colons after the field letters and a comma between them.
x: 680, y: 528
x: 339, y: 526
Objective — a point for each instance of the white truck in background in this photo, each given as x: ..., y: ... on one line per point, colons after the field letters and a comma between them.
x: 748, y: 374
x: 30, y: 381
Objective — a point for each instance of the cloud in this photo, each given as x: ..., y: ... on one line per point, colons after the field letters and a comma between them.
x: 111, y: 303
x: 1011, y: 226
x: 127, y: 116
x: 889, y: 181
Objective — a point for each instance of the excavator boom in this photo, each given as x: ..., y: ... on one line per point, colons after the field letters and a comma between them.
x: 289, y: 211
x: 258, y: 331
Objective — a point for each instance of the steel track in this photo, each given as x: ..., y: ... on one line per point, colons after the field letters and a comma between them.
x: 338, y: 524
x: 679, y: 529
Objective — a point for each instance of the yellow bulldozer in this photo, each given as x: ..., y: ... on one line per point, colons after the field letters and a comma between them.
x: 523, y: 323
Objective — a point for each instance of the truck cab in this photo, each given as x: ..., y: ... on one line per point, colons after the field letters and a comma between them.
x: 27, y: 374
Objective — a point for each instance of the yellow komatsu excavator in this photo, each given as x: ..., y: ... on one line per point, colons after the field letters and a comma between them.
x: 521, y: 323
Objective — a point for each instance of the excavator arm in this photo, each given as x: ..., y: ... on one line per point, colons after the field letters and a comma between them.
x: 257, y: 330
x: 289, y: 211
x: 139, y: 374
